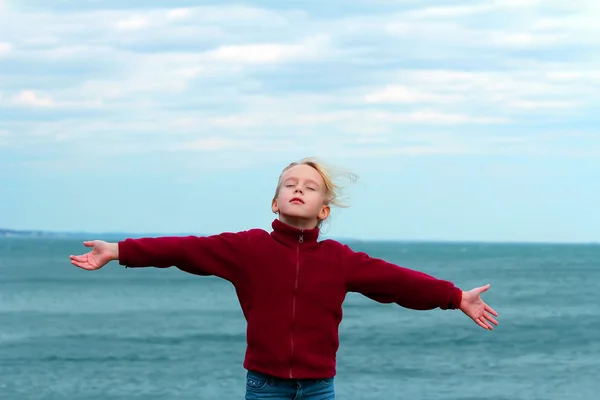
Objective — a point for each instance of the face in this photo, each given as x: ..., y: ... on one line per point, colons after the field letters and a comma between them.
x: 301, y: 198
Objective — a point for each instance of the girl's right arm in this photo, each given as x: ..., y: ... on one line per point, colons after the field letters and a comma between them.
x: 221, y: 255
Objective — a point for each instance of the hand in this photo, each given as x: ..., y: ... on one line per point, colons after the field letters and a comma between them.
x: 101, y: 254
x: 472, y: 305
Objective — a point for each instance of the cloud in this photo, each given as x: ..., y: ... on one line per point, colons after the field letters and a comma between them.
x: 5, y: 48
x: 386, y: 79
x: 285, y: 119
x: 467, y: 38
x: 516, y: 24
x: 402, y: 94
x: 179, y: 14
x: 270, y: 52
x: 30, y: 98
x: 132, y: 23
x: 541, y: 104
x: 210, y: 144
x: 503, y: 91
x: 231, y: 15
x: 449, y: 11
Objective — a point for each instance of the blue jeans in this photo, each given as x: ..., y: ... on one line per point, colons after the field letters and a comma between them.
x: 260, y: 386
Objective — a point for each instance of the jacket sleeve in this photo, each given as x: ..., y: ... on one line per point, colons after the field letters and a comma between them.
x: 384, y: 282
x: 220, y: 255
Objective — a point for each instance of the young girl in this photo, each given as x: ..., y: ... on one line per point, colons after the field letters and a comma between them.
x: 291, y: 286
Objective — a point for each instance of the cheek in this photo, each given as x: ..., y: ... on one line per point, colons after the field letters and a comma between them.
x: 284, y: 194
x: 318, y: 200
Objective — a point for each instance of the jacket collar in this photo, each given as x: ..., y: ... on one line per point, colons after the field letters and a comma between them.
x: 287, y: 234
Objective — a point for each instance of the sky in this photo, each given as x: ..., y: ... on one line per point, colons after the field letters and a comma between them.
x: 464, y: 120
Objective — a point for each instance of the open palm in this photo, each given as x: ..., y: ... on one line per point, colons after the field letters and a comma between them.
x: 101, y: 254
x: 476, y: 309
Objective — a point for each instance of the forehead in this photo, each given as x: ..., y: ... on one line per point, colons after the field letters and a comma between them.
x: 303, y: 172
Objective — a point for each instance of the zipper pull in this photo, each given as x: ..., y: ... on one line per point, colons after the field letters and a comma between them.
x: 301, y: 239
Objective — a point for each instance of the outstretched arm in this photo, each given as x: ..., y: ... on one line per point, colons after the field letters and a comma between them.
x: 389, y: 283
x: 220, y: 255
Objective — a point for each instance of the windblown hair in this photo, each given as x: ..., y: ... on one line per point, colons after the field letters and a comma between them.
x: 334, y: 189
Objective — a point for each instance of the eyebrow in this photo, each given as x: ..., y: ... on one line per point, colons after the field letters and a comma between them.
x: 307, y: 180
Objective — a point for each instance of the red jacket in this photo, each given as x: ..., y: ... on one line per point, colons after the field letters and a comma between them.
x: 291, y: 288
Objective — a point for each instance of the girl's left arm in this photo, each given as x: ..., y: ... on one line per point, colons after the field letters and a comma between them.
x: 385, y: 282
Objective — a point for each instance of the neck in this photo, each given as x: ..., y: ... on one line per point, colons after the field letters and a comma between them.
x: 299, y: 223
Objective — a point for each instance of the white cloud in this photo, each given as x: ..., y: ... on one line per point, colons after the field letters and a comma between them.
x: 504, y: 92
x: 509, y: 140
x: 463, y: 37
x: 178, y: 14
x: 270, y: 52
x: 210, y: 144
x: 402, y: 94
x: 448, y: 11
x: 517, y: 24
x: 412, y: 151
x: 231, y: 14
x: 541, y: 104
x: 31, y: 99
x: 258, y: 53
x: 281, y: 118
x: 587, y: 76
x: 132, y: 23
x: 526, y: 39
x: 535, y: 7
x: 5, y: 48
x: 222, y: 78
x: 435, y: 117
x: 189, y: 72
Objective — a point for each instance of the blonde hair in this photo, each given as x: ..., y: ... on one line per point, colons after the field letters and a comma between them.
x: 334, y: 189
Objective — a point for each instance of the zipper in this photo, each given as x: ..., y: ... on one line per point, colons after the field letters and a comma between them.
x: 300, y: 241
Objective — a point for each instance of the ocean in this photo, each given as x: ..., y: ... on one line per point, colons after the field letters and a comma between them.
x: 148, y: 333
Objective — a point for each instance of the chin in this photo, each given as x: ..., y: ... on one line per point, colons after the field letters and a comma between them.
x: 297, y: 215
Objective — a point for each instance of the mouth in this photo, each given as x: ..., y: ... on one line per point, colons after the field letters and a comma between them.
x: 297, y: 200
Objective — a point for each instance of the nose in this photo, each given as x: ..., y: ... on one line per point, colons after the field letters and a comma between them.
x: 298, y: 189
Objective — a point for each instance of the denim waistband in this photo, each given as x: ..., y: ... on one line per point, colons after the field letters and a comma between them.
x: 275, y: 381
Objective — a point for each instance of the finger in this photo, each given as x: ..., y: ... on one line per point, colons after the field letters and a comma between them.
x: 491, y: 310
x: 89, y: 243
x: 483, y: 288
x: 481, y: 324
x: 491, y: 319
x: 82, y: 265
x: 485, y: 323
x: 78, y: 258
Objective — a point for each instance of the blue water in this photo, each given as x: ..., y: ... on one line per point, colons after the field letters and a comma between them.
x: 121, y: 333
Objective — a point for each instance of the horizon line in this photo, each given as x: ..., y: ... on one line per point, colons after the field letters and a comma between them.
x: 40, y: 234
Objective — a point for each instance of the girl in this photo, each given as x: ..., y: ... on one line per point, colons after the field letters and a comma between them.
x: 291, y: 286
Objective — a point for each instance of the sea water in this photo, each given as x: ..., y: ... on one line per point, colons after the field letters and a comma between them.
x: 149, y: 333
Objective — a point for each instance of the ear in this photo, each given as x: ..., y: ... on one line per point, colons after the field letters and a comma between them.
x: 275, y: 207
x: 324, y: 213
